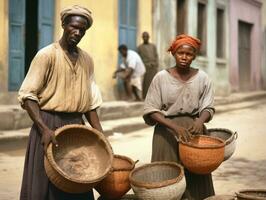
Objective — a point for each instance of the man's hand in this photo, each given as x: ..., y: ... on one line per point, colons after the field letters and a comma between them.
x: 197, y: 127
x: 48, y: 136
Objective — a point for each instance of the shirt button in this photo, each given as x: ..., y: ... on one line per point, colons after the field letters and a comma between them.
x: 181, y: 109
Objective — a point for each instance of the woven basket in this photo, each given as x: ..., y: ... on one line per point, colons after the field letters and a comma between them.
x: 116, y: 184
x: 221, y: 197
x: 228, y: 137
x: 202, y: 154
x: 158, y: 180
x: 90, y: 147
x: 251, y: 194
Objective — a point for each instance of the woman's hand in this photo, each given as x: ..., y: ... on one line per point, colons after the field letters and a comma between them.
x: 182, y: 133
x: 47, y: 137
x: 197, y: 127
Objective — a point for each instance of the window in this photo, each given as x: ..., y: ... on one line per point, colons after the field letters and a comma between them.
x: 181, y: 16
x: 220, y: 36
x: 202, y: 27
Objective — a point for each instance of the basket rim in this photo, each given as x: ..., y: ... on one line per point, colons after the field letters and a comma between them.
x: 215, y: 146
x: 157, y: 185
x: 230, y: 139
x: 243, y: 195
x: 52, y: 162
x: 132, y: 166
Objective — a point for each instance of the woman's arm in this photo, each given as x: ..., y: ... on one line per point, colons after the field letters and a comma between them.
x: 197, y: 127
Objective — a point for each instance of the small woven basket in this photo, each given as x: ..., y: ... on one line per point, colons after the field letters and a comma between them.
x: 202, y: 154
x: 91, y: 147
x: 158, y: 180
x: 251, y: 194
x: 116, y: 184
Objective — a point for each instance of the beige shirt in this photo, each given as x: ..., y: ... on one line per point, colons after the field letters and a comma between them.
x: 172, y: 97
x: 57, y: 85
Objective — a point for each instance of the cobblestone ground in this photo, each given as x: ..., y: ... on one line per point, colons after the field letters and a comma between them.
x: 245, y: 169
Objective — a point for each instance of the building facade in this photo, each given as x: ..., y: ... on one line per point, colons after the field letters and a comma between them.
x: 204, y: 19
x: 29, y: 25
x: 246, y: 45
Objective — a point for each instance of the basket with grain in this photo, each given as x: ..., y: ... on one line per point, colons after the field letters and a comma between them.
x: 82, y: 159
x: 158, y: 180
x: 202, y: 154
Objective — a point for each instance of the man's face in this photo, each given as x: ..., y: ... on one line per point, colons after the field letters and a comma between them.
x: 74, y: 29
x: 145, y: 37
x: 123, y: 52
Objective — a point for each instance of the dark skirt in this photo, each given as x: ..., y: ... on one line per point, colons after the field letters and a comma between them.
x: 165, y: 148
x: 35, y: 183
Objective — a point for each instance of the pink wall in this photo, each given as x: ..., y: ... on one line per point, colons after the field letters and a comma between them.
x: 248, y: 11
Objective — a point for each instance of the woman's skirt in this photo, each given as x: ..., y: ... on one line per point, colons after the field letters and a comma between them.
x: 35, y: 183
x: 165, y: 148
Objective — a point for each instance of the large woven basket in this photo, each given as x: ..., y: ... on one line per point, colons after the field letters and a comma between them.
x: 158, y: 180
x: 228, y: 136
x: 251, y: 194
x: 202, y: 154
x: 79, y: 146
x: 116, y: 184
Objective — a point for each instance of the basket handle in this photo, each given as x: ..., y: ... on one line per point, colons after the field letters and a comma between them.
x: 235, y: 135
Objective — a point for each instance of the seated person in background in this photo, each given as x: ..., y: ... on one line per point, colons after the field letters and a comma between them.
x: 131, y: 72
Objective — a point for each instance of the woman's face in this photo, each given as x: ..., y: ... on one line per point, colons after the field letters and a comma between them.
x: 184, y: 56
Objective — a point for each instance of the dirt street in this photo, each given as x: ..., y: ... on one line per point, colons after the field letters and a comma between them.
x: 245, y: 169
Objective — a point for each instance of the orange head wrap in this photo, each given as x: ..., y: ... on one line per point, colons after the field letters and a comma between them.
x: 184, y: 39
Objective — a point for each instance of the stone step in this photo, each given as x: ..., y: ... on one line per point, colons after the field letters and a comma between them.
x: 110, y: 127
x: 13, y: 117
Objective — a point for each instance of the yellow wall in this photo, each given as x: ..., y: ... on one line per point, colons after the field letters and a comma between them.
x: 144, y: 19
x: 100, y: 41
x: 4, y: 45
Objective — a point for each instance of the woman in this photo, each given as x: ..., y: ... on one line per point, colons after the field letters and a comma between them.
x: 179, y: 101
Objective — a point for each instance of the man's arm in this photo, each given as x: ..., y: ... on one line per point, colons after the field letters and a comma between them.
x: 93, y: 119
x: 33, y: 110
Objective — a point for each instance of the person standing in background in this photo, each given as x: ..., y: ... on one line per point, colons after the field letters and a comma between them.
x: 149, y: 56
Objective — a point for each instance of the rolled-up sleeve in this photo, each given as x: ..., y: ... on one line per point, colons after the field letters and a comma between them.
x: 207, y: 99
x: 35, y: 78
x: 96, y: 97
x: 153, y: 101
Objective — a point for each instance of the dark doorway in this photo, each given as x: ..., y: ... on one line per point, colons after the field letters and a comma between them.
x: 181, y: 16
x: 31, y: 33
x: 244, y: 55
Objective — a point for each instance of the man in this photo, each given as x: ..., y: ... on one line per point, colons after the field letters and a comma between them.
x: 58, y: 89
x: 131, y: 72
x: 148, y: 54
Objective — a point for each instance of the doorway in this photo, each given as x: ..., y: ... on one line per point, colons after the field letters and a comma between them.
x: 244, y: 55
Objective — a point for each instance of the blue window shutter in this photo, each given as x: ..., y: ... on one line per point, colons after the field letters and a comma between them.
x: 128, y: 22
x: 46, y: 22
x: 16, y: 44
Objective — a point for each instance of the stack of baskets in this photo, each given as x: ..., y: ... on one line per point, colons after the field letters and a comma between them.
x: 158, y: 180
x: 94, y: 146
x: 202, y: 154
x: 116, y: 184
